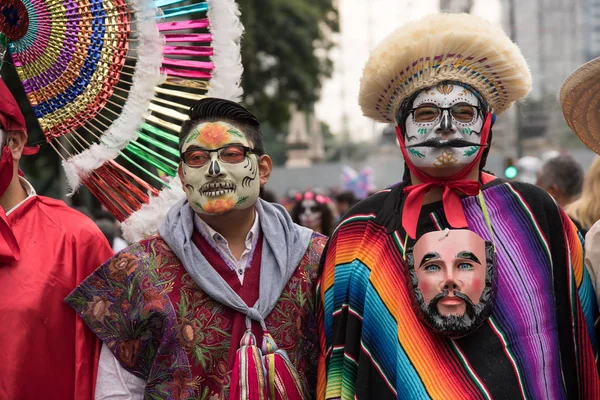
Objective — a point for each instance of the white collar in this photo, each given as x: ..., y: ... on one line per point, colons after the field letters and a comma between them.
x: 28, y: 189
x: 208, y: 232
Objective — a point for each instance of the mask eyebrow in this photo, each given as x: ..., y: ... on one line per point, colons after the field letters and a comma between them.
x: 467, y: 255
x: 428, y: 257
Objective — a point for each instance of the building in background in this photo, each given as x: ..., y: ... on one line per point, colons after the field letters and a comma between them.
x: 555, y: 36
x: 304, y: 139
x: 591, y: 32
x: 456, y: 6
x: 552, y: 36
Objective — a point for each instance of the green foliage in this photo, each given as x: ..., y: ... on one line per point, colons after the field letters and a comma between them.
x: 284, y: 52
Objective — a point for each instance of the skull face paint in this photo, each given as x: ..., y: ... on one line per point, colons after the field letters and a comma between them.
x: 452, y: 275
x: 218, y: 186
x: 310, y: 215
x: 443, y: 142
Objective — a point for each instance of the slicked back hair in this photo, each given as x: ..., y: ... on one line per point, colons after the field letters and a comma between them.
x: 211, y: 109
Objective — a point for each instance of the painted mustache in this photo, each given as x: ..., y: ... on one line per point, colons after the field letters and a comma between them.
x: 458, y: 294
x: 439, y: 143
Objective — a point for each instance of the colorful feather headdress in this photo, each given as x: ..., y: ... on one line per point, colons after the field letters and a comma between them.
x: 110, y: 82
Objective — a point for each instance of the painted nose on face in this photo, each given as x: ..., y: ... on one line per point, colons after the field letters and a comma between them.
x: 214, y: 168
x: 450, y: 283
x: 445, y: 123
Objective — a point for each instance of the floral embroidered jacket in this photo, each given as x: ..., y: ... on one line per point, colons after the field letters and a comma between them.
x: 164, y: 329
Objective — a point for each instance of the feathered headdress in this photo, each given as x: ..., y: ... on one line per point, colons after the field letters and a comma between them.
x: 110, y: 82
x: 438, y: 48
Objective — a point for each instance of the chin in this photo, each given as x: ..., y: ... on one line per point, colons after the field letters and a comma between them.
x: 446, y: 311
x: 443, y: 172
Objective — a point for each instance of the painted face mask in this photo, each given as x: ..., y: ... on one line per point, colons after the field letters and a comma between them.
x: 443, y: 130
x: 310, y: 215
x: 453, y: 279
x: 220, y: 170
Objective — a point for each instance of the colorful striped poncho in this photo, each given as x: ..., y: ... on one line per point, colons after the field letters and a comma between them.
x: 538, y: 344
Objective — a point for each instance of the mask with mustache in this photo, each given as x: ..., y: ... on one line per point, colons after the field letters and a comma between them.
x: 453, y: 293
x: 445, y: 145
x: 219, y: 187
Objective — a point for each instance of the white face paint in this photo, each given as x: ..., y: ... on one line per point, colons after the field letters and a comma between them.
x: 311, y: 215
x: 218, y: 186
x: 422, y: 125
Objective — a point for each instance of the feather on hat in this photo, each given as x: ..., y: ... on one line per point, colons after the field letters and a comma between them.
x: 438, y: 48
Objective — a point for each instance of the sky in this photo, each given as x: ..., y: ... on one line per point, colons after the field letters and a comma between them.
x: 363, y: 23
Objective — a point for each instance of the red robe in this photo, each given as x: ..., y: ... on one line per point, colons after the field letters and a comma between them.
x: 46, y: 351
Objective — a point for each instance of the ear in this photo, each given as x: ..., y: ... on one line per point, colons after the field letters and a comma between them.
x: 553, y: 190
x: 16, y: 142
x: 265, y: 167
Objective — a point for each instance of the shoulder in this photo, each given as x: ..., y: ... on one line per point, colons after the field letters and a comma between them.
x: 146, y: 248
x: 372, y: 204
x: 594, y: 232
x: 67, y: 220
x: 317, y: 243
x: 532, y: 195
x: 545, y: 214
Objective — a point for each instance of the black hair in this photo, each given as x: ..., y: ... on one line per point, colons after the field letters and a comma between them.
x: 211, y: 109
x: 563, y: 171
x: 267, y: 195
x: 346, y: 197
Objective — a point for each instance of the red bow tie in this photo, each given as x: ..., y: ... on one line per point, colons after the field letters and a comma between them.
x: 450, y: 198
x: 9, y: 248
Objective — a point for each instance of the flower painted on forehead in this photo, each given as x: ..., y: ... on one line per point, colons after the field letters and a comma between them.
x: 213, y: 134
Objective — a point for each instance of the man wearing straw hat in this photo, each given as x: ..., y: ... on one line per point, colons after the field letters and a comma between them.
x: 579, y: 99
x: 442, y: 80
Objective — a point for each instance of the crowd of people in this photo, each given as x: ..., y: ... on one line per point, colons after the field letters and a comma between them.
x: 453, y: 283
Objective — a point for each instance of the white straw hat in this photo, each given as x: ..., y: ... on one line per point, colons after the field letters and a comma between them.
x: 443, y: 47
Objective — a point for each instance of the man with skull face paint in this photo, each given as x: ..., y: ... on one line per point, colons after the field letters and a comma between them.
x: 386, y: 331
x: 226, y: 273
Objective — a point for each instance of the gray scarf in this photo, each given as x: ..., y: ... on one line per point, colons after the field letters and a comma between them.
x: 284, y: 245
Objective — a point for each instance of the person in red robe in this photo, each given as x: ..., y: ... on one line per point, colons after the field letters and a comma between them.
x: 46, y: 249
